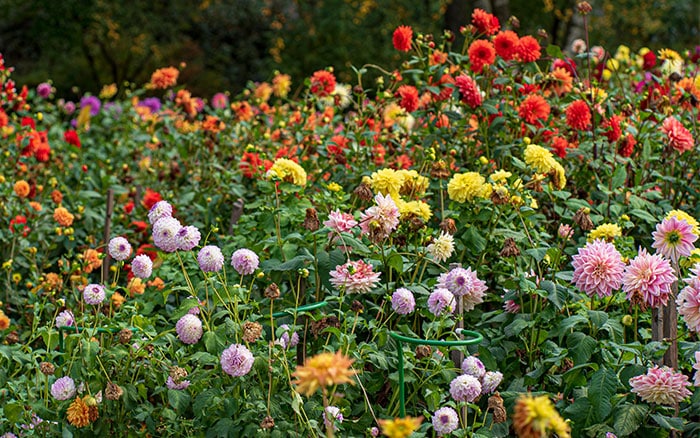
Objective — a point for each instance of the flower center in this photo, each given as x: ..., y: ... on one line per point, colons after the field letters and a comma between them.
x: 674, y: 237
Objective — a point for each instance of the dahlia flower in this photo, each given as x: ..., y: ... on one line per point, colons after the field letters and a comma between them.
x: 598, y: 268
x: 661, y: 385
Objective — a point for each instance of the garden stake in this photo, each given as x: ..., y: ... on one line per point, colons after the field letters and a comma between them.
x: 475, y: 339
x: 107, y: 232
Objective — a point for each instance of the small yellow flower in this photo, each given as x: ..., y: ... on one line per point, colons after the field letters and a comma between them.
x: 334, y: 187
x: 288, y: 171
x: 539, y: 158
x: 606, y: 232
x: 500, y: 175
x: 400, y: 427
x: 468, y: 186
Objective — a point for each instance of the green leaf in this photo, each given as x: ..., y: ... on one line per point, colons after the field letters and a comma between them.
x: 601, y: 390
x: 555, y: 52
x: 396, y: 261
x: 628, y: 418
x: 290, y: 265
x: 580, y: 412
x: 178, y: 400
x: 13, y: 412
x: 668, y: 423
x: 474, y: 240
x: 619, y: 176
x: 645, y: 216
x: 581, y: 346
x: 598, y: 318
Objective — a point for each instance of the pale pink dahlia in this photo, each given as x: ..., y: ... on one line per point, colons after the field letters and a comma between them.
x: 679, y: 137
x: 598, y: 268
x: 340, y: 222
x: 648, y: 278
x: 354, y: 277
x: 380, y: 220
x: 696, y: 367
x: 688, y: 301
x: 464, y: 283
x: 661, y: 385
x: 674, y: 238
x: 441, y: 301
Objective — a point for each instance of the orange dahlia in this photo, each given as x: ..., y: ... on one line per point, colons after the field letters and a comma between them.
x: 63, y: 217
x: 164, y: 78
x: 323, y: 370
x: 78, y: 413
x: 22, y: 188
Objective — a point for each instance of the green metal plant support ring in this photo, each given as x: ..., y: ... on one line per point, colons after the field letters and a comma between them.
x: 474, y: 338
x: 304, y: 308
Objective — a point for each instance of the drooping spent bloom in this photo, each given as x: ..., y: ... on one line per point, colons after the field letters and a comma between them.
x: 187, y: 238
x: 63, y: 388
x: 536, y: 417
x: 445, y: 421
x: 165, y: 233
x: 189, y: 329
x: 119, y: 248
x: 688, y: 300
x: 441, y: 248
x: 237, y: 360
x: 464, y: 283
x: 679, y: 137
x: 244, y: 261
x: 441, y: 301
x: 354, y: 277
x: 402, y: 38
x: 473, y: 366
x: 94, y: 294
x: 332, y: 417
x: 142, y: 266
x: 674, y: 238
x: 210, y: 259
x: 323, y: 370
x: 381, y: 219
x: 661, y: 385
x: 490, y: 381
x: 598, y: 268
x: 465, y: 388
x: 159, y: 210
x: 402, y: 301
x: 696, y: 367
x: 648, y: 278
x: 65, y: 319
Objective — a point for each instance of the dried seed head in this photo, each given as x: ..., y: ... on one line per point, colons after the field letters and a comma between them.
x: 584, y: 8
x: 272, y: 291
x: 113, y: 391
x: 423, y: 351
x: 267, y: 423
x: 47, y: 368
x: 582, y: 218
x: 499, y: 411
x: 449, y: 226
x: 510, y: 249
x: 251, y: 331
x: 125, y: 335
x: 364, y: 192
x: 177, y: 374
x: 440, y: 170
x: 357, y: 306
x: 311, y: 221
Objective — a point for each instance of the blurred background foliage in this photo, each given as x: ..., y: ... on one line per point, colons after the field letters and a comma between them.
x: 83, y: 44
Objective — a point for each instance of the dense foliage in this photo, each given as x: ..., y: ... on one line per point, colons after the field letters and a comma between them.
x: 247, y: 265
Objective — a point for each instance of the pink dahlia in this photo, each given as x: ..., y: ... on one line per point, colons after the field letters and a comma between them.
x: 339, y: 222
x: 380, y: 220
x: 661, y: 385
x: 441, y: 301
x: 648, y: 278
x: 464, y: 283
x: 679, y: 137
x: 696, y: 367
x: 354, y: 277
x: 598, y: 268
x: 688, y: 301
x: 674, y: 238
x: 469, y: 89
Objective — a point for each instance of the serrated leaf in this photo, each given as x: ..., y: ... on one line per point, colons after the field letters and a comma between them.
x: 668, y: 423
x: 597, y: 317
x: 628, y: 418
x: 178, y: 399
x: 603, y: 386
x: 581, y: 347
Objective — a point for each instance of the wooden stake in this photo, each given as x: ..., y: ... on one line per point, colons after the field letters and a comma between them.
x: 107, y: 233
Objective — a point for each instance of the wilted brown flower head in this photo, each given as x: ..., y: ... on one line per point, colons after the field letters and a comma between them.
x: 113, y: 391
x: 582, y: 218
x: 584, y: 8
x: 125, y: 335
x: 496, y: 406
x: 47, y: 368
x: 423, y: 351
x: 449, y: 226
x: 311, y: 221
x: 267, y: 423
x: 364, y: 192
x: 272, y: 291
x: 510, y: 249
x: 177, y: 374
x: 251, y: 331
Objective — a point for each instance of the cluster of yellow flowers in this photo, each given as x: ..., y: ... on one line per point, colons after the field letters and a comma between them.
x: 399, y: 183
x: 542, y: 161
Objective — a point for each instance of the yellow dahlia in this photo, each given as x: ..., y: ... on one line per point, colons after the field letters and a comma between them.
x: 606, y: 232
x: 539, y: 158
x: 535, y: 417
x: 288, y: 171
x: 558, y: 175
x: 500, y: 175
x: 400, y: 427
x: 414, y: 208
x: 323, y: 370
x: 387, y: 182
x: 467, y: 186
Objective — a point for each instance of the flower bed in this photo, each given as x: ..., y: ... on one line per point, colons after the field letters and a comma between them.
x: 250, y: 265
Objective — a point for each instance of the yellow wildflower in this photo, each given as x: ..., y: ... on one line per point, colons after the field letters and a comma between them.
x: 414, y: 208
x: 414, y: 184
x: 334, y: 187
